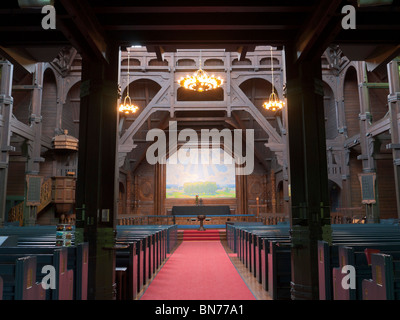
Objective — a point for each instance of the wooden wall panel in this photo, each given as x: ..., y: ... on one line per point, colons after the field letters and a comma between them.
x: 70, y: 113
x: 46, y: 168
x: 378, y: 98
x: 351, y: 103
x: 355, y: 169
x: 49, y: 105
x: 16, y: 179
x: 22, y: 105
x: 386, y: 189
x: 331, y: 131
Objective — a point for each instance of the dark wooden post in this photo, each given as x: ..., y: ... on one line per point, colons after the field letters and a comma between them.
x: 310, y: 216
x: 394, y: 108
x: 6, y: 107
x: 97, y: 187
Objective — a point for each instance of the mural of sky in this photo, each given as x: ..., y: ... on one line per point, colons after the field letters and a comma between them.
x: 209, y: 175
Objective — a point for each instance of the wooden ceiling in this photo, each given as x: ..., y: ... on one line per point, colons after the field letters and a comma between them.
x: 92, y: 26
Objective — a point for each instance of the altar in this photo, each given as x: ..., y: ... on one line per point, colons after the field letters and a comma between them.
x: 214, y: 215
x: 201, y: 210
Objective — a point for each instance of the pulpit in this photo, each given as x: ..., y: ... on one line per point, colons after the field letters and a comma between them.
x: 201, y: 219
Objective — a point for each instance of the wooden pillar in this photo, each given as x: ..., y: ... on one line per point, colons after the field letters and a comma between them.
x: 345, y: 153
x: 273, y: 191
x: 6, y: 110
x: 310, y: 216
x: 241, y: 188
x: 394, y: 108
x: 97, y: 182
x: 367, y: 143
x: 129, y: 193
x: 159, y: 189
x: 34, y: 147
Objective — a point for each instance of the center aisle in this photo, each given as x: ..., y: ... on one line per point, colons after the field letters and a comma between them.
x: 198, y: 271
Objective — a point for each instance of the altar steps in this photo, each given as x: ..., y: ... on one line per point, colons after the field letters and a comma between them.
x: 207, y: 235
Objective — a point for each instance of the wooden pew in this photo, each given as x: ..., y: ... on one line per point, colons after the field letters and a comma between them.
x: 279, y: 270
x: 127, y: 258
x: 357, y: 258
x: 58, y: 258
x: 385, y: 282
x: 249, y: 243
x: 18, y: 279
x: 151, y: 248
x: 330, y: 258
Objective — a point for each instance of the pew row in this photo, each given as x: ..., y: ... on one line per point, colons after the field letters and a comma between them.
x: 142, y: 250
x: 18, y: 279
x: 256, y: 247
x: 42, y: 240
x: 385, y: 282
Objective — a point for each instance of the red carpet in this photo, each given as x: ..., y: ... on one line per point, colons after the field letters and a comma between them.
x: 206, y: 235
x: 198, y: 271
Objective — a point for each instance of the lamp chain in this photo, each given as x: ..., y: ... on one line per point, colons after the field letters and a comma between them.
x: 128, y: 75
x: 272, y: 68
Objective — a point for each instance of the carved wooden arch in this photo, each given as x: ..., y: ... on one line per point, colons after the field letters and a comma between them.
x: 243, y: 78
x: 244, y: 64
x: 133, y: 62
x: 343, y: 75
x: 337, y: 181
x: 185, y: 59
x: 47, y: 68
x: 57, y: 77
x: 69, y: 83
x: 268, y: 59
x: 220, y: 61
x: 330, y: 83
x: 156, y: 80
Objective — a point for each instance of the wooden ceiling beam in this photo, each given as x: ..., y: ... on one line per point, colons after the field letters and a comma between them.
x: 309, y: 38
x: 86, y: 25
x: 201, y: 9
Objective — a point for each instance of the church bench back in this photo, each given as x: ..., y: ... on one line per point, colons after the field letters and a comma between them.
x: 385, y: 282
x: 18, y: 279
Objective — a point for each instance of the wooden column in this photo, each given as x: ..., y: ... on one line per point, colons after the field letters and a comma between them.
x: 34, y: 146
x: 6, y: 107
x: 367, y: 143
x: 310, y: 217
x: 394, y: 108
x: 159, y: 188
x: 241, y: 189
x: 97, y: 183
x: 273, y: 191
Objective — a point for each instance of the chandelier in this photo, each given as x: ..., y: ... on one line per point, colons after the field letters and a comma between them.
x: 128, y: 107
x: 273, y: 104
x: 200, y: 81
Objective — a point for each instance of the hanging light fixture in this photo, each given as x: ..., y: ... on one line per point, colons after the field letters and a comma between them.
x: 200, y: 81
x: 127, y: 107
x: 273, y: 104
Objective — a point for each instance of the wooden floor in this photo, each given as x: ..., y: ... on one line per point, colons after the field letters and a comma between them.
x: 251, y: 282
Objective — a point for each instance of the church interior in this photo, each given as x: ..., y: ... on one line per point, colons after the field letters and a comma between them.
x: 168, y: 151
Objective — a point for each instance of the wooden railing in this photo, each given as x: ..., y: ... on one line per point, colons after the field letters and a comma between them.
x: 348, y: 215
x: 272, y: 218
x: 16, y: 213
x: 145, y: 220
x: 45, y: 195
